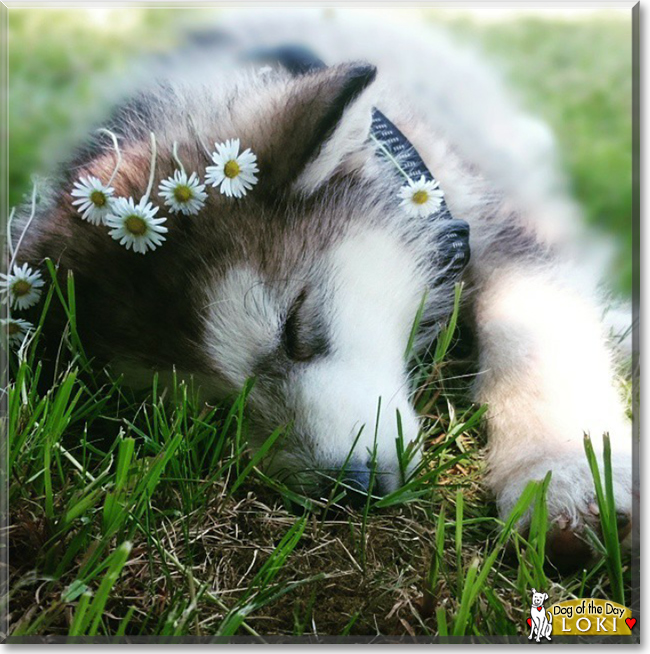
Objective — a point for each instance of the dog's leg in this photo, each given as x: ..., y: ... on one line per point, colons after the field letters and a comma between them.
x: 547, y: 376
x: 537, y: 627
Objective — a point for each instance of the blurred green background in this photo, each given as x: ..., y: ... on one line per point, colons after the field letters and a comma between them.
x: 574, y: 72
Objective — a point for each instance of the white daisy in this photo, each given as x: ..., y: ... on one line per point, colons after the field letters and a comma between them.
x: 183, y: 195
x: 93, y: 199
x: 234, y: 173
x: 134, y: 225
x: 421, y: 198
x: 22, y: 288
x: 16, y: 330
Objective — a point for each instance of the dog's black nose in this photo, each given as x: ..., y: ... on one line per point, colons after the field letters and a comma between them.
x: 357, y: 480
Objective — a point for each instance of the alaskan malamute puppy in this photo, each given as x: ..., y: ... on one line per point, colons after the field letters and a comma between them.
x: 311, y: 280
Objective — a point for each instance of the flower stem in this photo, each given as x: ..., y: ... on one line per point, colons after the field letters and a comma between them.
x: 118, y: 154
x: 25, y: 228
x: 199, y: 139
x: 390, y: 156
x: 10, y: 221
x: 176, y: 157
x: 153, y: 168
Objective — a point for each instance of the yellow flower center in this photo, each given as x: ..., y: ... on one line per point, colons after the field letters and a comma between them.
x: 231, y: 169
x: 182, y: 193
x: 420, y: 197
x: 98, y: 198
x: 135, y: 225
x: 21, y: 287
x: 13, y: 328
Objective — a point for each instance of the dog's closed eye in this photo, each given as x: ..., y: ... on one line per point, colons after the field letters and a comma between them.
x: 303, y: 334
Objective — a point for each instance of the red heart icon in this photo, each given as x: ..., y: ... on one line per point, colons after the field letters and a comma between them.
x: 630, y: 622
x: 539, y: 608
x: 530, y: 622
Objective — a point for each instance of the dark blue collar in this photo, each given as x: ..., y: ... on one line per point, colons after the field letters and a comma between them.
x: 454, y: 236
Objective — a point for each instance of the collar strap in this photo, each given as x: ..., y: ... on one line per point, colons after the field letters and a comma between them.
x: 454, y: 236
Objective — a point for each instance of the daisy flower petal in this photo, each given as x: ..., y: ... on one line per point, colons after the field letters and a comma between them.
x: 233, y: 173
x: 22, y: 287
x: 422, y: 198
x: 93, y: 200
x: 16, y: 330
x: 182, y: 194
x: 134, y: 225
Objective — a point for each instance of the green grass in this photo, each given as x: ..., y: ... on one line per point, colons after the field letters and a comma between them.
x: 146, y: 514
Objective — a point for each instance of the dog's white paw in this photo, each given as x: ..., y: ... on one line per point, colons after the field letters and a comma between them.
x: 571, y: 502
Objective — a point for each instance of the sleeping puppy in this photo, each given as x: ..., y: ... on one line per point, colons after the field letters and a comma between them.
x: 308, y: 276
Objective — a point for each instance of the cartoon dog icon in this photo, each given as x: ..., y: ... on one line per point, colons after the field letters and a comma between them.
x: 541, y: 621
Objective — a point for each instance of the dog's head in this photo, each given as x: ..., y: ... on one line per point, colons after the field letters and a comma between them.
x: 310, y: 284
x: 538, y: 598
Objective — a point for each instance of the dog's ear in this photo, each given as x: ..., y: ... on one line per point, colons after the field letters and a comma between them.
x: 545, y: 596
x: 322, y: 122
x: 534, y: 591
